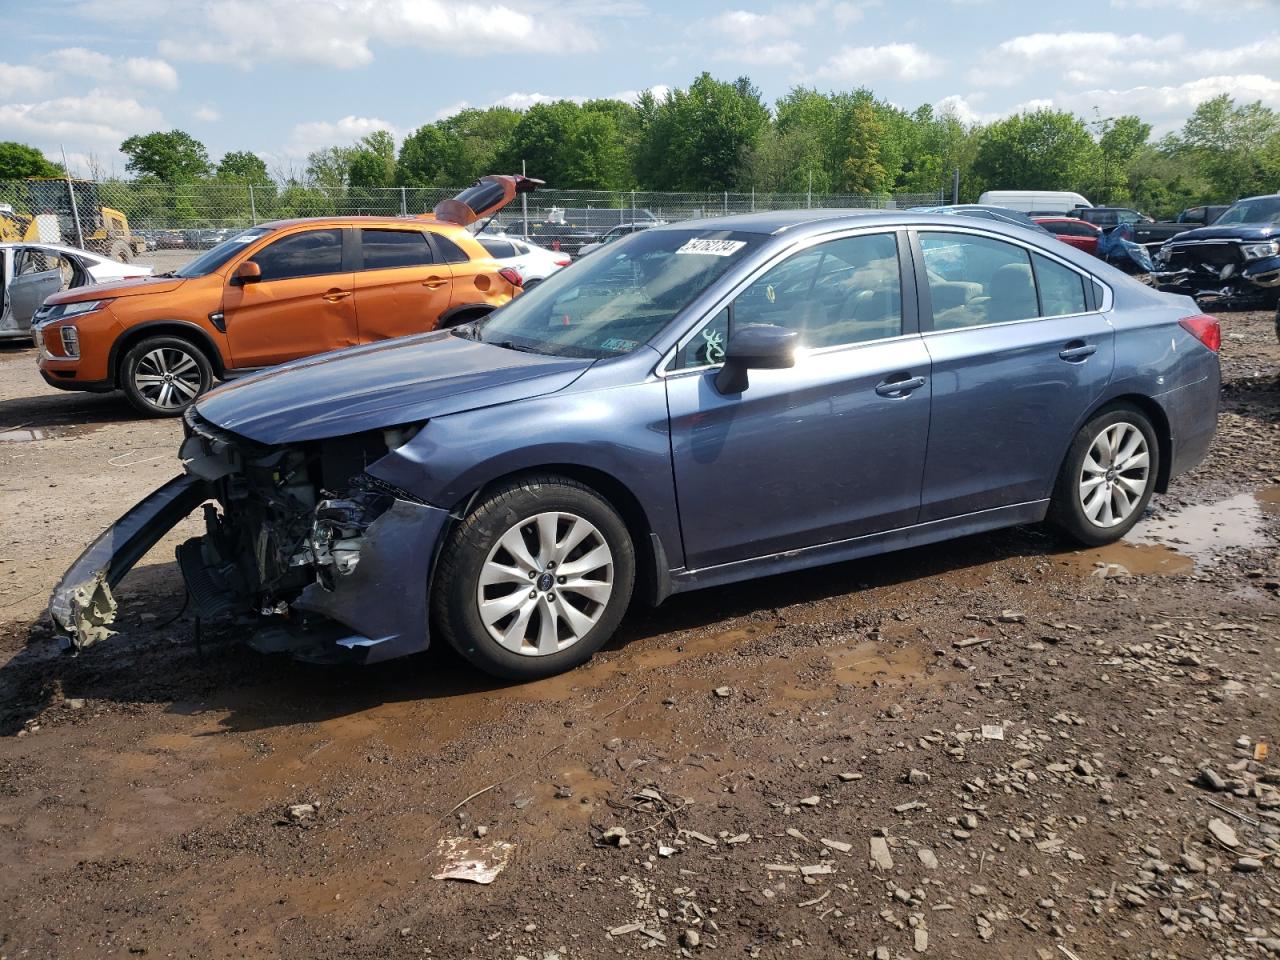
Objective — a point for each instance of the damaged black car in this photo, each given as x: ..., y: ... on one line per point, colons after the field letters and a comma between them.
x: 1233, y: 263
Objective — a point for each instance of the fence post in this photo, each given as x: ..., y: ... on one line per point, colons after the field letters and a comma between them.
x: 955, y: 186
x: 809, y: 196
x: 524, y: 204
x: 71, y: 194
x: 404, y: 203
x: 753, y: 199
x: 633, y: 206
x: 726, y: 203
x: 253, y: 207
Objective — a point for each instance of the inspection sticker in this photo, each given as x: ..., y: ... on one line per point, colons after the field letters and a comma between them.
x: 714, y: 248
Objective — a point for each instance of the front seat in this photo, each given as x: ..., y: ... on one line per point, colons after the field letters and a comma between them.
x: 1012, y: 294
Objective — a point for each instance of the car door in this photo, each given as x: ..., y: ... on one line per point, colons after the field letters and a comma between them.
x: 399, y: 287
x: 37, y: 274
x: 302, y: 304
x: 1019, y: 354
x: 829, y: 449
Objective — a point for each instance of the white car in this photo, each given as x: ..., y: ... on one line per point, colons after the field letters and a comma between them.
x: 532, y: 262
x: 30, y: 272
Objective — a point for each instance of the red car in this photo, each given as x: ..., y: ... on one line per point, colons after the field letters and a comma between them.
x: 1081, y: 235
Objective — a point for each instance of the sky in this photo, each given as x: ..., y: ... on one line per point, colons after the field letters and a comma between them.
x: 285, y: 77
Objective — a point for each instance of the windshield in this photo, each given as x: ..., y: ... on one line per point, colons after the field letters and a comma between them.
x: 211, y: 260
x: 1257, y: 210
x: 612, y: 302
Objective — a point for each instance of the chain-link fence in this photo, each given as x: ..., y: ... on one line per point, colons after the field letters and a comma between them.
x: 164, y: 224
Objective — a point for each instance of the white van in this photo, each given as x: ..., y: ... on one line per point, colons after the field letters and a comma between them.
x: 1035, y: 201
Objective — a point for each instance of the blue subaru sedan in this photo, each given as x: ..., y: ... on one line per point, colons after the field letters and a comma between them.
x: 700, y: 403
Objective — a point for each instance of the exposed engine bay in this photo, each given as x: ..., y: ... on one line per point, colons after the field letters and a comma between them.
x: 286, y: 517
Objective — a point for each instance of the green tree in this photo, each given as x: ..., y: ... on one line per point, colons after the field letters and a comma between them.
x: 861, y: 170
x: 702, y: 138
x: 1236, y: 146
x: 1120, y: 139
x: 243, y: 166
x: 1041, y: 150
x: 330, y: 168
x: 172, y: 157
x: 428, y: 157
x: 18, y: 161
x: 372, y: 161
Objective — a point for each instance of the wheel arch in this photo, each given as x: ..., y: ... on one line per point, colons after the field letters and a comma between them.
x: 462, y: 313
x: 653, y: 572
x: 159, y: 328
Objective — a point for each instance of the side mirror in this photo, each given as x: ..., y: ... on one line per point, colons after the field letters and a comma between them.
x: 247, y: 272
x: 756, y: 346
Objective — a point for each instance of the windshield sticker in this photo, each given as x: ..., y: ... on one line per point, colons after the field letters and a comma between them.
x: 714, y: 248
x: 244, y: 239
x: 619, y: 344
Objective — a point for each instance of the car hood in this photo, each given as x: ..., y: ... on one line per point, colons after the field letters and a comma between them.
x: 381, y: 385
x: 1239, y: 231
x: 117, y: 288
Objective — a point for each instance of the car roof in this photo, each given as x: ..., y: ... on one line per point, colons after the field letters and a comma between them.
x: 61, y: 248
x: 806, y: 222
x: 417, y: 220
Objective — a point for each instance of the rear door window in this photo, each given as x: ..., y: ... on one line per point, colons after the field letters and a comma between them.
x: 394, y: 248
x: 975, y: 280
x: 447, y: 251
x: 311, y: 253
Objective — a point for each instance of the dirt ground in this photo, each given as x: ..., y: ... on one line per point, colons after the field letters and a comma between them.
x: 996, y: 747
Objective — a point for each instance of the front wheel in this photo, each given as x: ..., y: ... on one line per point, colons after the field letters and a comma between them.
x: 1107, y: 478
x: 162, y: 376
x: 535, y: 579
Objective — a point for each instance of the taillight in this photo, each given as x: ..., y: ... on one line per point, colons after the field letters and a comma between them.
x: 512, y: 277
x: 563, y: 261
x: 1204, y: 328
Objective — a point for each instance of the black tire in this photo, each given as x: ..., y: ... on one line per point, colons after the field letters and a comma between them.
x: 455, y: 609
x: 185, y: 361
x: 119, y: 251
x: 1067, y: 511
x: 530, y: 284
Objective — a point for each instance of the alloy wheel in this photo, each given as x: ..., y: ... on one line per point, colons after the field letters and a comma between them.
x: 545, y: 583
x: 1114, y: 475
x: 168, y: 377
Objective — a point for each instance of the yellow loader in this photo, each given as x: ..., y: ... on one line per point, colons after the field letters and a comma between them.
x: 49, y: 219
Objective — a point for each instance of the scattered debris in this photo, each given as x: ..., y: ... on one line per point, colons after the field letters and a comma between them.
x: 464, y: 858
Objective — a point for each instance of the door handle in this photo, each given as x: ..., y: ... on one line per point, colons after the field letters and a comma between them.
x: 899, y: 388
x: 333, y: 296
x: 433, y: 282
x: 1077, y: 351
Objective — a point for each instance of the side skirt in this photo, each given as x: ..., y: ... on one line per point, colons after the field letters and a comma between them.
x: 874, y: 543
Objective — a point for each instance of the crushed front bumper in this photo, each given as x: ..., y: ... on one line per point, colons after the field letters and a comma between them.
x: 1257, y: 281
x: 82, y: 606
x: 375, y: 610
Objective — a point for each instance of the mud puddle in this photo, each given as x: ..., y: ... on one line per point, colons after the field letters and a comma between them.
x: 1205, y: 530
x: 22, y: 436
x: 1180, y: 540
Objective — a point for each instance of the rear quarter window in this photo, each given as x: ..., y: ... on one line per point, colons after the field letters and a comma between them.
x: 449, y: 252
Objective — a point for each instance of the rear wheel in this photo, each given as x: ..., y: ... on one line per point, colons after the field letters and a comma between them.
x: 1108, y: 477
x: 162, y: 376
x: 535, y: 579
x: 119, y: 250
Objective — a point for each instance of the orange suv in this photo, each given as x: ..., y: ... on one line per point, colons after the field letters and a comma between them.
x: 276, y: 292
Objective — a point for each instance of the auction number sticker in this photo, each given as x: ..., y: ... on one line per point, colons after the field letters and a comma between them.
x: 714, y: 248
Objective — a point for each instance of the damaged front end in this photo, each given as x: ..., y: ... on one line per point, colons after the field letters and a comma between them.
x: 302, y: 547
x: 1221, y: 272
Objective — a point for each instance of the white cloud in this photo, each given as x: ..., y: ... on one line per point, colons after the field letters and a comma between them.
x: 340, y: 33
x: 763, y: 39
x: 316, y: 134
x: 1174, y: 101
x: 97, y: 120
x: 523, y: 101
x: 659, y: 91
x: 964, y: 109
x: 1196, y: 6
x: 207, y: 114
x: 896, y: 61
x: 18, y: 78
x: 114, y: 71
x: 1079, y: 53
